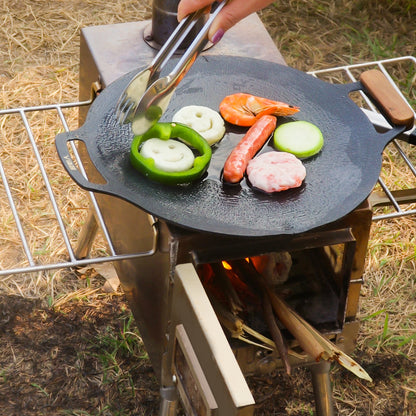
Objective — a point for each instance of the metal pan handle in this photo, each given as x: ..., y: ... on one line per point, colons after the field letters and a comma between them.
x: 62, y: 142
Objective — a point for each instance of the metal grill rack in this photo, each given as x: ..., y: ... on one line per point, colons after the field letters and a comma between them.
x: 400, y: 200
x: 31, y: 263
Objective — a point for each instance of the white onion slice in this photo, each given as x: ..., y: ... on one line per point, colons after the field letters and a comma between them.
x: 169, y: 155
x: 207, y: 122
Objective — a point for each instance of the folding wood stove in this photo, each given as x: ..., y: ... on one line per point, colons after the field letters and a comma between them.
x: 190, y: 354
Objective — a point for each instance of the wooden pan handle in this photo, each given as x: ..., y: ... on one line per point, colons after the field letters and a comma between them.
x: 396, y: 109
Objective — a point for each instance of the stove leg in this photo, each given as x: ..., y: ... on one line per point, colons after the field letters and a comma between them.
x: 169, y: 401
x: 86, y: 237
x: 322, y: 389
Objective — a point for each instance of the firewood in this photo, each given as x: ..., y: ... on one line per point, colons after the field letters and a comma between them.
x: 223, y: 282
x: 249, y: 274
x: 238, y: 329
x: 312, y: 342
x: 276, y: 333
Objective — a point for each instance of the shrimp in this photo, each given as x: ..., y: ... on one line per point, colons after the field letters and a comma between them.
x: 244, y: 109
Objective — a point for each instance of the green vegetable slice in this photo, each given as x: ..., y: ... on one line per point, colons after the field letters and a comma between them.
x: 166, y: 131
x: 301, y: 138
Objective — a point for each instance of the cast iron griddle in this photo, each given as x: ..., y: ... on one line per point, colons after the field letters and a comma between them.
x: 338, y: 179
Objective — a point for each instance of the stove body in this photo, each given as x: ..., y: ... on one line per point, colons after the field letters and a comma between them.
x: 187, y: 347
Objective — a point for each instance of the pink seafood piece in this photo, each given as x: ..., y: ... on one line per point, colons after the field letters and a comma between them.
x: 276, y: 171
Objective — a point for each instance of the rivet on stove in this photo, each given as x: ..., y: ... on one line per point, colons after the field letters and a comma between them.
x: 340, y: 339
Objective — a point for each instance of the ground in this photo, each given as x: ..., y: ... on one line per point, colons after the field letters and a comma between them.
x: 86, y: 357
x: 72, y: 361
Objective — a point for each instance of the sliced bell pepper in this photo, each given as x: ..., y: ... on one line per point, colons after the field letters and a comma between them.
x: 166, y: 131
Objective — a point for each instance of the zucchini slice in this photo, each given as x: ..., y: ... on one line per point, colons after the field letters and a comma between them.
x: 301, y: 138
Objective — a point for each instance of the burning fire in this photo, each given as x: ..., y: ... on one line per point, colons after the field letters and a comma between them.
x: 227, y: 265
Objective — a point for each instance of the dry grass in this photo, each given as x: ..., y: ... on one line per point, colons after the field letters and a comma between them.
x: 39, y: 57
x: 315, y: 35
x: 39, y: 43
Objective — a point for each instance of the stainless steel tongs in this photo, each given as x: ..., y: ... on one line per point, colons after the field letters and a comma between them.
x: 147, y: 96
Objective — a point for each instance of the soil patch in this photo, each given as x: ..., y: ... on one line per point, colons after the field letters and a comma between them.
x: 73, y: 360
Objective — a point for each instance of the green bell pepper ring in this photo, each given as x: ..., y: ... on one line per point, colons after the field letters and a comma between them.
x: 166, y: 131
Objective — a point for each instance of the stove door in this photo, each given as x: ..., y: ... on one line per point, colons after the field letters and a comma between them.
x: 209, y: 379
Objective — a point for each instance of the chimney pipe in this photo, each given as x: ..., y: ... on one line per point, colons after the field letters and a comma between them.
x: 164, y: 22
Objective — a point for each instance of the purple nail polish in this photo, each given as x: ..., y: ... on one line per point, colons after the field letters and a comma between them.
x: 217, y: 36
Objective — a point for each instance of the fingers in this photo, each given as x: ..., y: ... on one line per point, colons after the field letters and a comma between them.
x: 186, y: 7
x: 231, y: 14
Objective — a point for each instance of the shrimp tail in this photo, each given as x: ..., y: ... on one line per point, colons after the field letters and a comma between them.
x: 262, y: 106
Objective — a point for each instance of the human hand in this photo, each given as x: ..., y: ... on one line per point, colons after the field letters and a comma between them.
x: 231, y: 14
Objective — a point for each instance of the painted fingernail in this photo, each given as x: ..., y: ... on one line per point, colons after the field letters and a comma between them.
x: 217, y: 36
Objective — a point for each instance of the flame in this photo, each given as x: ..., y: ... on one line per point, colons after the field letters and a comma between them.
x: 226, y: 265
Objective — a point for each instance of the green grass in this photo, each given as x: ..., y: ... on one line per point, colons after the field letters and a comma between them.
x: 114, y: 348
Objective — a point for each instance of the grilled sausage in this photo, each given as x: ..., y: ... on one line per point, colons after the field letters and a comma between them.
x: 236, y: 163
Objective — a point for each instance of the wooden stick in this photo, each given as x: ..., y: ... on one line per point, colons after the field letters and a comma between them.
x: 237, y: 328
x: 223, y: 281
x: 276, y: 333
x: 291, y: 322
x: 312, y: 342
x: 252, y: 278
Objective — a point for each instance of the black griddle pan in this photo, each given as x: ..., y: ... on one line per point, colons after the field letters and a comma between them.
x: 338, y: 179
